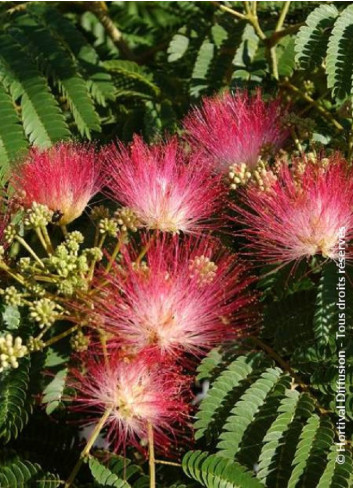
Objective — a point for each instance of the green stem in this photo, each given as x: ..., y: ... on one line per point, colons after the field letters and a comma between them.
x: 85, y: 452
x: 229, y: 10
x: 166, y: 462
x: 61, y: 336
x: 94, y: 261
x: 30, y: 250
x: 296, y: 140
x: 151, y: 459
x: 116, y: 251
x: 64, y: 229
x: 311, y: 101
x: 282, y: 16
x: 12, y: 274
x: 47, y: 239
x: 42, y: 240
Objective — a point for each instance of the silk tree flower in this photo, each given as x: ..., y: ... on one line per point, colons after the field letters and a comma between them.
x: 185, y: 297
x: 64, y: 178
x: 301, y: 214
x: 165, y: 191
x: 235, y: 130
x: 132, y: 394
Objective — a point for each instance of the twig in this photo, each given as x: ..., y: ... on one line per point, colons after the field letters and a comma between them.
x: 166, y: 462
x: 230, y: 11
x: 151, y: 459
x: 99, y: 9
x: 30, y: 251
x: 282, y: 16
x: 311, y: 101
x: 89, y: 444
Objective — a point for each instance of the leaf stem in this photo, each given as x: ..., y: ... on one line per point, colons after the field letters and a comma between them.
x: 47, y: 239
x: 151, y: 459
x: 116, y: 251
x: 166, y: 462
x: 30, y: 250
x: 61, y: 336
x: 85, y: 452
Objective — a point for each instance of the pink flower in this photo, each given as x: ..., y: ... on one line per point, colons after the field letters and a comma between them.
x: 135, y: 393
x: 64, y: 178
x: 235, y: 129
x: 186, y: 297
x: 302, y: 213
x: 165, y: 191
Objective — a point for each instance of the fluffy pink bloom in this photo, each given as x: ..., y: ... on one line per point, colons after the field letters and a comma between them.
x: 165, y: 191
x: 136, y: 393
x: 302, y: 213
x: 186, y: 297
x: 235, y: 129
x: 64, y: 178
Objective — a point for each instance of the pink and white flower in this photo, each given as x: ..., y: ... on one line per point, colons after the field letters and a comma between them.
x: 132, y: 394
x: 301, y: 214
x: 185, y: 297
x: 167, y: 190
x: 236, y: 129
x: 64, y: 178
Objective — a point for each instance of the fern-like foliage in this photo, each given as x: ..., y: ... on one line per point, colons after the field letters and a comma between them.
x: 339, y: 55
x: 215, y: 471
x: 326, y: 313
x: 116, y: 471
x: 262, y: 421
x: 312, y: 39
x: 18, y: 472
x: 15, y: 401
x: 51, y: 78
x: 327, y: 36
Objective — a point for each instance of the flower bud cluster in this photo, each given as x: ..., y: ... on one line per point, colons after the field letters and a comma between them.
x: 203, y: 269
x: 10, y: 351
x: 70, y: 264
x: 127, y: 219
x: 108, y: 226
x: 35, y: 344
x: 12, y: 296
x: 39, y: 215
x: 10, y: 233
x: 239, y: 174
x: 261, y: 176
x: 79, y: 342
x: 44, y: 311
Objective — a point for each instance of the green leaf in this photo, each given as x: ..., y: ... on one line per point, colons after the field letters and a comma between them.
x: 104, y: 476
x: 215, y: 471
x: 128, y: 75
x: 177, y: 47
x: 17, y: 472
x: 15, y: 403
x: 11, y: 317
x: 244, y: 411
x: 111, y: 470
x: 62, y: 68
x: 42, y: 120
x: 336, y: 474
x: 326, y: 313
x: 311, y: 41
x: 339, y: 62
x: 99, y: 80
x: 202, y: 68
x: 53, y: 392
x: 230, y: 378
x: 12, y: 140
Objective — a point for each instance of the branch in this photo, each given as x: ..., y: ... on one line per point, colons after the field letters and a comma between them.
x: 99, y: 9
x: 311, y: 101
